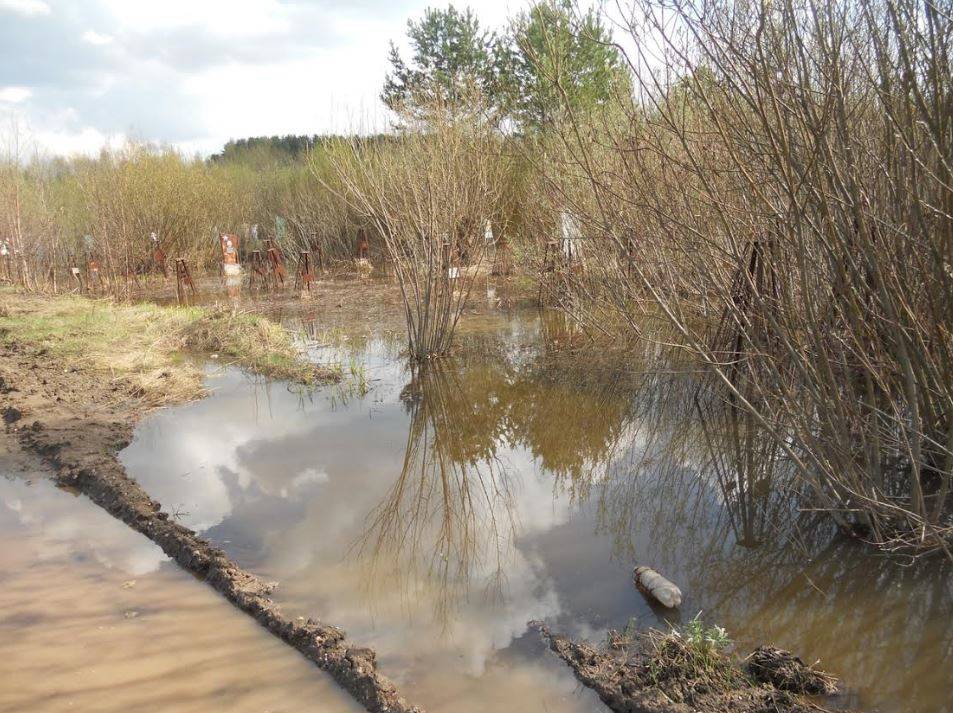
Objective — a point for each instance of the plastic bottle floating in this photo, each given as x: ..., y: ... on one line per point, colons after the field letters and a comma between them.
x: 654, y: 585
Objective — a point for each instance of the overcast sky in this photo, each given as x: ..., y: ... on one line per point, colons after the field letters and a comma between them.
x: 195, y: 73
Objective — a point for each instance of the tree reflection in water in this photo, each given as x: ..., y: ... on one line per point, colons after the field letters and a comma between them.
x: 706, y: 497
x: 672, y: 476
x: 450, y: 511
x: 450, y: 518
x: 634, y: 445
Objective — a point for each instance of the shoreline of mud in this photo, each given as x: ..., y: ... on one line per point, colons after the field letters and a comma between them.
x: 78, y: 425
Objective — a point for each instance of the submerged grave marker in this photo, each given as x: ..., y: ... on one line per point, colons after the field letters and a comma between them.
x: 275, y: 262
x: 305, y: 274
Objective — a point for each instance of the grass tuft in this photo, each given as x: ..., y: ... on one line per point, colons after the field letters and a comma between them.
x: 254, y: 342
x: 692, y: 660
x: 144, y: 345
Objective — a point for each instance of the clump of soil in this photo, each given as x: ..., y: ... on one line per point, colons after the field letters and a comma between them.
x: 654, y: 672
x: 787, y: 672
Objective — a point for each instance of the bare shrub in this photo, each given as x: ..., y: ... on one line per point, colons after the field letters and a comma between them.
x: 429, y: 194
x: 60, y: 215
x: 779, y: 190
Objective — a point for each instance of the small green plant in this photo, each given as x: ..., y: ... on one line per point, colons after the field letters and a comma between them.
x: 703, y: 638
x: 352, y: 382
x: 631, y: 629
x: 359, y: 376
x: 624, y: 639
x: 692, y: 655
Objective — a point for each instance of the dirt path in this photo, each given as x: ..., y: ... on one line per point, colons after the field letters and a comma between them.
x: 78, y: 422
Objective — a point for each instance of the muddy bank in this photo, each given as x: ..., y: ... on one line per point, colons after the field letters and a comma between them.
x: 667, y: 673
x: 78, y: 421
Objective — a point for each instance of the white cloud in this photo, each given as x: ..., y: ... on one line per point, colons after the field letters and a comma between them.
x: 224, y: 17
x: 29, y: 8
x: 86, y: 141
x: 14, y: 95
x: 60, y: 528
x: 95, y: 38
x: 196, y: 74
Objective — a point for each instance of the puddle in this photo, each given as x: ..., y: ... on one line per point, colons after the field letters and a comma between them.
x: 438, y: 513
x: 94, y: 618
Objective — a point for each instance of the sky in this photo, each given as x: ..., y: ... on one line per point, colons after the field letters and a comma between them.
x: 78, y: 75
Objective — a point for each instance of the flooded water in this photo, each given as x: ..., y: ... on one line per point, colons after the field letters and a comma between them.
x: 94, y: 618
x: 433, y: 515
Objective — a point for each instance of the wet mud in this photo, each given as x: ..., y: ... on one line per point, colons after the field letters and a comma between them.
x: 78, y: 424
x: 654, y: 673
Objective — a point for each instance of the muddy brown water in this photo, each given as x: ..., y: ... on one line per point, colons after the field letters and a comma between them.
x: 93, y: 617
x: 436, y: 514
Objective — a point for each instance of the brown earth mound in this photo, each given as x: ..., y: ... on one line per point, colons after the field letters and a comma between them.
x: 787, y: 672
x: 655, y: 672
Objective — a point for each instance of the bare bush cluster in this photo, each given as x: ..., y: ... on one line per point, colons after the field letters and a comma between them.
x: 778, y: 188
x: 433, y: 196
x: 110, y: 216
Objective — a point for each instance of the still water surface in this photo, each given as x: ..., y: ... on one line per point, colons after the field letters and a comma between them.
x: 436, y: 514
x: 94, y: 618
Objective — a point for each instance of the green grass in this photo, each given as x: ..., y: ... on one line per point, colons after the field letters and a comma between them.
x: 144, y: 345
x: 692, y: 656
x: 255, y: 343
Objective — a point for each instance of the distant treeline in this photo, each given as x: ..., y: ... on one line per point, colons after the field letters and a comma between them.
x: 290, y: 147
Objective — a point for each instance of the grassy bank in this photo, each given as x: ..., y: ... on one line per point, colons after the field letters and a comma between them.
x: 144, y: 346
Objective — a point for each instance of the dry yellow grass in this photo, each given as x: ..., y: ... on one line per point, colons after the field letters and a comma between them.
x: 145, y: 345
